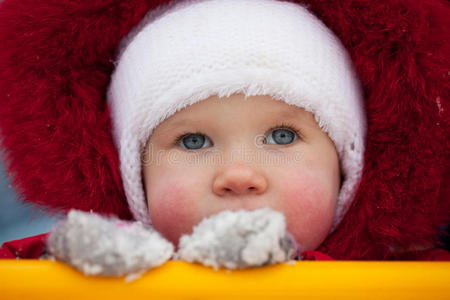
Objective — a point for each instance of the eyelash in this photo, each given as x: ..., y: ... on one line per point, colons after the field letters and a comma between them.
x: 286, y: 126
x: 184, y: 134
x: 280, y: 125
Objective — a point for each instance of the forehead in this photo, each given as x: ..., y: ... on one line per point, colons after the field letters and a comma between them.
x: 237, y: 107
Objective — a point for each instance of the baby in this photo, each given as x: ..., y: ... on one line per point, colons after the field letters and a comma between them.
x: 237, y: 105
x: 269, y: 115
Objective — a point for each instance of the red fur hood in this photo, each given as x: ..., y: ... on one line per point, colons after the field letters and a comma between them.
x: 56, y: 58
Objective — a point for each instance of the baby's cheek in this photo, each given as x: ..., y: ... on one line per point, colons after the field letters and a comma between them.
x: 172, y: 211
x: 309, y: 209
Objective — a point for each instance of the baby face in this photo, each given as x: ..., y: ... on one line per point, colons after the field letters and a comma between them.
x: 235, y: 153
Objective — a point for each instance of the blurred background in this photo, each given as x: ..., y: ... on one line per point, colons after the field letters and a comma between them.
x: 18, y: 220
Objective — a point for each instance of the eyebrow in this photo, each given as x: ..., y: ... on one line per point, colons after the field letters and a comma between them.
x: 289, y: 113
x: 180, y: 122
x: 283, y: 113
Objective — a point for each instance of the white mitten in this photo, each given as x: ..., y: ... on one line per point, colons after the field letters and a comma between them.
x: 97, y: 245
x: 239, y: 239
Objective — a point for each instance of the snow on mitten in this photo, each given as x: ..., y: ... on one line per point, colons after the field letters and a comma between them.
x: 239, y: 239
x: 97, y: 245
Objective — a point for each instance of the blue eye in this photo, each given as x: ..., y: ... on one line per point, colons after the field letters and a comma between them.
x: 281, y: 136
x: 194, y: 141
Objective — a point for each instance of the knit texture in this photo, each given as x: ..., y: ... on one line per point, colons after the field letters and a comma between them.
x: 197, y: 49
x: 239, y: 239
x: 56, y: 59
x: 97, y: 245
x: 100, y: 245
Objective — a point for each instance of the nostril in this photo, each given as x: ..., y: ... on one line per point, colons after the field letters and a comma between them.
x: 229, y: 190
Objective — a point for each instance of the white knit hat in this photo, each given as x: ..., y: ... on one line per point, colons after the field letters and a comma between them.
x: 188, y: 51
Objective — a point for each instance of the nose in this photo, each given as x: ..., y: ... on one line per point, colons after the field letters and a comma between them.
x: 239, y: 180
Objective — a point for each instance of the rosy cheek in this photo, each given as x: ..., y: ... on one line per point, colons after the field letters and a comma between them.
x: 172, y: 211
x: 308, y: 207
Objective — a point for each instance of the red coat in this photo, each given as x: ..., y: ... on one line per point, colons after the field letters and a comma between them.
x: 55, y: 66
x: 34, y: 247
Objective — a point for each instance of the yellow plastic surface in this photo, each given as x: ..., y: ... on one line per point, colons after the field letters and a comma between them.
x: 39, y: 279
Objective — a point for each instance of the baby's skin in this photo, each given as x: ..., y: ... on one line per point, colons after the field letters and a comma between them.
x: 242, y: 153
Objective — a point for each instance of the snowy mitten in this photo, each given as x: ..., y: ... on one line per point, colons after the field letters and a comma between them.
x: 239, y: 239
x: 97, y: 245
